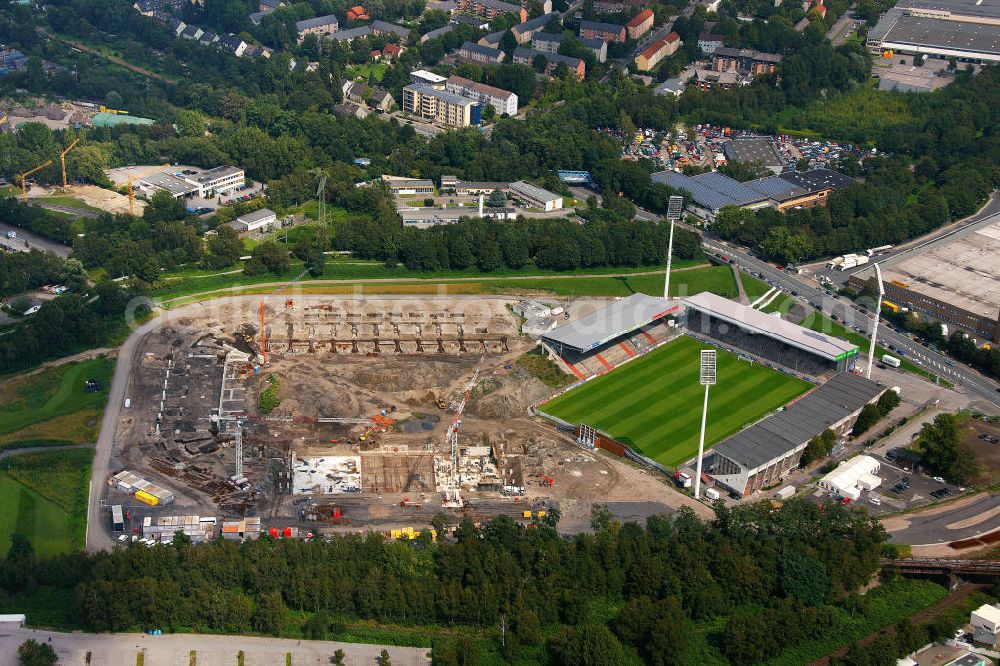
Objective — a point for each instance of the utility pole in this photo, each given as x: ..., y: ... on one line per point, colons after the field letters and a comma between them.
x: 707, y: 379
x: 878, y: 312
x: 674, y: 206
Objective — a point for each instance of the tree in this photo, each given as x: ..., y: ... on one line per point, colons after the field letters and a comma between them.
x: 887, y: 402
x: 270, y: 613
x: 73, y: 275
x: 383, y: 658
x: 496, y: 199
x: 868, y: 417
x: 587, y: 645
x: 269, y: 256
x: 33, y: 653
x: 114, y: 100
x: 939, y: 443
x: 338, y: 657
x: 318, y: 625
x: 225, y: 247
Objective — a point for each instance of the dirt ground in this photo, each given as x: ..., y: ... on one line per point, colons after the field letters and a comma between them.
x: 98, y: 197
x: 987, y: 453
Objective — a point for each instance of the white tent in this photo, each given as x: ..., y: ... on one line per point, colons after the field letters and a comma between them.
x: 853, y: 476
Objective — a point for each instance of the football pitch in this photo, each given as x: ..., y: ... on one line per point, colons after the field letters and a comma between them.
x: 654, y: 403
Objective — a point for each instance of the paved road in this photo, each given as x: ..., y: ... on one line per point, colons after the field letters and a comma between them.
x: 27, y: 240
x: 69, y: 210
x: 933, y: 529
x: 122, y: 649
x: 852, y: 316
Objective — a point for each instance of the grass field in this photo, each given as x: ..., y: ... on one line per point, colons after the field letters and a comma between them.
x: 44, y: 497
x: 654, y: 402
x: 52, y: 406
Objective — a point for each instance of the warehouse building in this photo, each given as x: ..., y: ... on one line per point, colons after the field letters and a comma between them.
x: 968, y: 31
x: 440, y: 106
x: 762, y: 151
x: 761, y: 455
x: 768, y: 336
x: 535, y: 197
x: 711, y: 192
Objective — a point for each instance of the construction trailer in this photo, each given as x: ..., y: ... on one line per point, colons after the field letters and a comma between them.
x: 145, y: 491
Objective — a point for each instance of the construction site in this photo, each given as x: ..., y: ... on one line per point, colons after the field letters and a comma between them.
x: 339, y: 412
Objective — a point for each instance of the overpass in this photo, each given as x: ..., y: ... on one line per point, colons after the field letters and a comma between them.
x: 944, y: 567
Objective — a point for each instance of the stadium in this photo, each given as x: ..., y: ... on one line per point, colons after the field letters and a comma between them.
x: 636, y: 362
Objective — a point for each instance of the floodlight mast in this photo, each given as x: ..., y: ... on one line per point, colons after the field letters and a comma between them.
x: 878, y: 311
x: 674, y: 206
x: 707, y: 379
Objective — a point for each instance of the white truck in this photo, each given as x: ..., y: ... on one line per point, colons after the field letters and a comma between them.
x: 891, y: 361
x: 712, y: 494
x: 852, y: 261
x: 683, y: 480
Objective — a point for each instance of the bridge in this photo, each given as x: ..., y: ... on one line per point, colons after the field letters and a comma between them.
x: 944, y: 567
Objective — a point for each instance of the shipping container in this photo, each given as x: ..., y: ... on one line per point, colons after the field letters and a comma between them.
x: 117, y: 518
x: 711, y: 493
x: 146, y: 498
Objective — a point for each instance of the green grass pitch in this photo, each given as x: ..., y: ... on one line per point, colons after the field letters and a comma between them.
x: 654, y: 403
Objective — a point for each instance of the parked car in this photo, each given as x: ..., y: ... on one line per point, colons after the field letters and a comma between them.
x: 938, y: 479
x: 872, y: 499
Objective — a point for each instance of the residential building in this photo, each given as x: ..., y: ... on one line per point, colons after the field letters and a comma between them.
x: 392, y: 51
x: 351, y: 110
x: 607, y: 31
x: 940, y: 29
x: 269, y: 5
x: 598, y: 46
x: 492, y: 40
x: 477, y: 22
x: 177, y: 26
x: 535, y: 197
x: 547, y: 42
x: 357, y: 13
x: 11, y: 60
x: 708, y: 43
x: 350, y: 34
x: 524, y: 31
x: 320, y: 26
x: 208, y: 38
x: 356, y: 91
x: 657, y: 51
x: 259, y: 220
x: 744, y: 61
x: 192, y: 32
x: 386, y: 28
x: 437, y: 32
x: 440, y: 106
x: 234, y: 44
x: 706, y: 79
x: 478, y: 53
x: 255, y: 17
x: 490, y: 9
x: 640, y: 25
x: 381, y: 101
x: 503, y: 101
x: 674, y: 86
x: 523, y: 56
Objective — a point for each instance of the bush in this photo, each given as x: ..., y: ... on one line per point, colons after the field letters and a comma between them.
x: 269, y: 399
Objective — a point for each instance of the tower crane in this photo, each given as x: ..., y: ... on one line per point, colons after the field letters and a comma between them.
x: 131, y: 196
x: 24, y: 182
x: 3, y: 118
x: 62, y: 160
x: 452, y: 495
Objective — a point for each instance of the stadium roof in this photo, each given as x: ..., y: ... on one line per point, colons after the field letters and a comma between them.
x: 757, y: 322
x: 608, y: 323
x: 711, y: 190
x: 810, y: 415
x: 818, y: 180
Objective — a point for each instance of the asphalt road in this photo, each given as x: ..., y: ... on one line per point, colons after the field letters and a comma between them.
x: 933, y: 529
x: 852, y: 316
x: 27, y: 240
x: 122, y: 649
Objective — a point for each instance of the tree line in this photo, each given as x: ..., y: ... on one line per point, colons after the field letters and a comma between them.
x: 520, y: 587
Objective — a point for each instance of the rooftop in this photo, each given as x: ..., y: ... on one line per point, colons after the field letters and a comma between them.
x: 430, y: 77
x: 216, y: 173
x: 444, y: 95
x: 711, y: 190
x: 760, y: 323
x: 759, y: 56
x: 776, y: 188
x: 818, y: 180
x: 533, y: 191
x: 598, y: 327
x: 753, y: 150
x: 256, y: 216
x: 170, y: 183
x: 900, y: 27
x: 481, y: 87
x: 640, y: 17
x: 535, y: 23
x: 316, y: 22
x: 805, y: 418
x: 601, y: 27
x: 472, y: 47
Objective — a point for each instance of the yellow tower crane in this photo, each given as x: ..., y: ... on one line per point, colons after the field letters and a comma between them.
x: 131, y: 197
x: 3, y: 118
x: 24, y: 180
x: 62, y: 159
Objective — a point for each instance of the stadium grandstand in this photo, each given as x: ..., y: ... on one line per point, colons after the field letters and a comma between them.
x: 759, y: 456
x: 767, y: 336
x: 603, y: 339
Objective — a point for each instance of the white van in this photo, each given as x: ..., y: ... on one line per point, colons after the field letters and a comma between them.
x: 712, y: 493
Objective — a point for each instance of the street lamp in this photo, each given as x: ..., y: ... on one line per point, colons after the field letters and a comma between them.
x: 878, y: 310
x: 707, y: 379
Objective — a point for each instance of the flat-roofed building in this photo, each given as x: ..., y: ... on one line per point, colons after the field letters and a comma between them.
x: 220, y: 180
x: 422, y: 218
x: 968, y: 31
x: 503, y: 101
x: 640, y: 24
x: 761, y: 151
x: 440, y: 106
x: 745, y: 61
x: 713, y: 191
x: 176, y: 186
x: 422, y: 76
x: 319, y: 26
x: 535, y: 197
x: 708, y: 43
x: 490, y: 9
x: 399, y: 185
x: 264, y: 219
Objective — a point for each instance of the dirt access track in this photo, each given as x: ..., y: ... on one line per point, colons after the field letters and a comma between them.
x: 338, y: 361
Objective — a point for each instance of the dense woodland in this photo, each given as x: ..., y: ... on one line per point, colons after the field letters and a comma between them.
x: 762, y: 578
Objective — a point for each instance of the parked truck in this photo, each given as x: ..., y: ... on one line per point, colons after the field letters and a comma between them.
x: 683, y: 480
x: 712, y: 494
x: 890, y: 360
